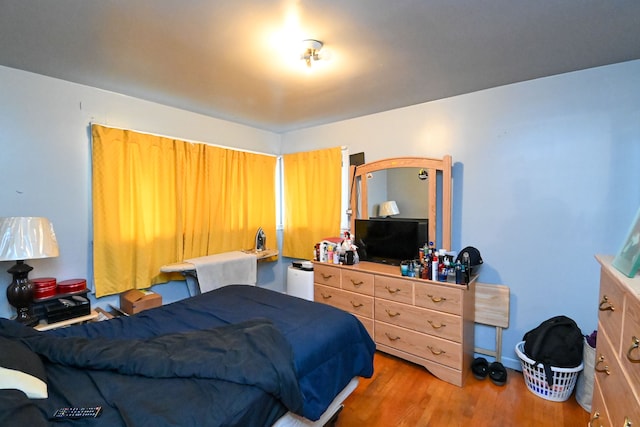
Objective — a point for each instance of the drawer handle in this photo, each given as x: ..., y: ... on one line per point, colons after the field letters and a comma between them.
x: 436, y: 299
x: 357, y: 284
x: 441, y: 325
x: 596, y: 416
x: 325, y: 296
x: 606, y: 305
x: 634, y: 346
x: 392, y: 291
x: 356, y: 305
x: 436, y: 352
x: 392, y: 314
x: 392, y: 338
x: 326, y: 276
x: 606, y: 367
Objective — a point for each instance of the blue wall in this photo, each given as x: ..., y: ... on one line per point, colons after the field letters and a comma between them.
x: 545, y: 176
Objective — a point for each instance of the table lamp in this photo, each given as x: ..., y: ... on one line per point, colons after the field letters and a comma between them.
x: 23, y: 238
x: 388, y: 208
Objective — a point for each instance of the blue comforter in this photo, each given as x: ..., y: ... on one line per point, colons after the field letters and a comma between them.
x: 251, y: 353
x: 233, y: 365
x: 329, y: 346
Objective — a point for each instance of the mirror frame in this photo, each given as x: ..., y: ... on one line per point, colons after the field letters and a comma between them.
x: 433, y: 166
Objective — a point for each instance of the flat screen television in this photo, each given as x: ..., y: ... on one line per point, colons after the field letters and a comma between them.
x: 390, y: 241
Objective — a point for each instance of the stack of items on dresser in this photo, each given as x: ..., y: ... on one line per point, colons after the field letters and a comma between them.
x: 336, y: 251
x: 442, y: 266
x: 431, y: 264
x: 55, y: 301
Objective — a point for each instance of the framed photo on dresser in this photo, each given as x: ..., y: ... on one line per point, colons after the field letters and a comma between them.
x: 628, y: 259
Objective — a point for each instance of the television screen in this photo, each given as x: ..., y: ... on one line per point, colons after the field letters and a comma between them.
x: 390, y: 241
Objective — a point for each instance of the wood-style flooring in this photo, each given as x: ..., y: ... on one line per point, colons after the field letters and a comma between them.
x: 404, y: 394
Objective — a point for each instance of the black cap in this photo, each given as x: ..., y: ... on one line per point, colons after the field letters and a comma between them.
x: 474, y: 256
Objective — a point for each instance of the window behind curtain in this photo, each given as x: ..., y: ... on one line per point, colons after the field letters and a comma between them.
x: 158, y: 200
x: 312, y: 184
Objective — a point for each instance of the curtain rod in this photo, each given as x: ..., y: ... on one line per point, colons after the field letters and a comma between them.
x: 187, y: 140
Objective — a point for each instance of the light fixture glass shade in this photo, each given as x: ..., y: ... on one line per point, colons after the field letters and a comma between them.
x: 23, y: 238
x: 388, y: 208
x: 313, y: 51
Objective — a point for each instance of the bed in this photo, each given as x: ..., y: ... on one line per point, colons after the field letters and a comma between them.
x: 236, y: 356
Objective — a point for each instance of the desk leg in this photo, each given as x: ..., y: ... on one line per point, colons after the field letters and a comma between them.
x: 498, y: 344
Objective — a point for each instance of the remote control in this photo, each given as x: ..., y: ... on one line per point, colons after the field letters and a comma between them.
x: 74, y: 413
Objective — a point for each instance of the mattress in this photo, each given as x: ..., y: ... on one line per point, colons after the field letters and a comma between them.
x: 329, y: 346
x: 292, y: 420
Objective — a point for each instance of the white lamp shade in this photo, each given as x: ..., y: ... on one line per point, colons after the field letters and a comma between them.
x: 388, y: 208
x: 23, y: 238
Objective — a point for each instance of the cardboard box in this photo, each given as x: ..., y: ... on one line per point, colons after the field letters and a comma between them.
x: 103, y: 314
x: 135, y: 301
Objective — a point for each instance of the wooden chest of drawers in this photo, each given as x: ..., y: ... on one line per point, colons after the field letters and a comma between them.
x: 425, y: 322
x: 616, y: 395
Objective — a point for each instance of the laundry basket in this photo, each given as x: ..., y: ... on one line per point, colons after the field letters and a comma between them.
x: 564, y: 379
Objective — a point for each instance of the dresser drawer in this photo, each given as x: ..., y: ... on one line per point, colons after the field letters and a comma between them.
x: 367, y: 323
x: 425, y: 346
x: 621, y: 404
x: 348, y: 301
x: 599, y: 414
x: 431, y: 322
x: 611, y: 307
x: 326, y: 275
x: 357, y: 281
x: 398, y: 290
x: 441, y: 298
x: 630, y: 345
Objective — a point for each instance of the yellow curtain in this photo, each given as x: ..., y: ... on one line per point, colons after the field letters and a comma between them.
x: 235, y: 195
x: 158, y: 200
x: 312, y: 195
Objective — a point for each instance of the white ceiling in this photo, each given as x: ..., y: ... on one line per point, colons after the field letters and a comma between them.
x: 224, y: 58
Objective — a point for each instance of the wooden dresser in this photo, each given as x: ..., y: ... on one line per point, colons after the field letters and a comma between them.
x: 426, y: 322
x: 616, y: 394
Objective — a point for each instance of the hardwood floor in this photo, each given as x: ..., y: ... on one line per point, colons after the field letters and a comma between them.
x: 404, y: 394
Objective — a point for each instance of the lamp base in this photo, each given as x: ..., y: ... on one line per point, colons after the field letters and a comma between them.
x: 20, y: 293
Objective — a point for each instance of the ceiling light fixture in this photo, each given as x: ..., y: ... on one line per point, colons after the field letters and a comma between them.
x: 311, y: 51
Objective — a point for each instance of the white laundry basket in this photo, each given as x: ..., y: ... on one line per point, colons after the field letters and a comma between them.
x: 564, y: 379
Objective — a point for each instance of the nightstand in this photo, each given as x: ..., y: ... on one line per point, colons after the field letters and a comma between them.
x: 64, y: 323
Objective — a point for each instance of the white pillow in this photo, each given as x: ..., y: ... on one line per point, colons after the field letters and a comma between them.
x: 22, y: 369
x: 33, y: 387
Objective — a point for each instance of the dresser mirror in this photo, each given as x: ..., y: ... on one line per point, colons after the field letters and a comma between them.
x: 408, y: 187
x: 420, y: 186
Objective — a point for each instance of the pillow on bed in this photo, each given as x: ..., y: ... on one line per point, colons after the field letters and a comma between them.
x: 22, y: 369
x: 17, y: 410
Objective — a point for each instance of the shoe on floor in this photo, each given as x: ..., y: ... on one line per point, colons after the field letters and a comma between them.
x: 480, y: 368
x: 498, y: 373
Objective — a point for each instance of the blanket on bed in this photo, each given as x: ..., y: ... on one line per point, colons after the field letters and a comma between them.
x: 252, y: 353
x: 330, y: 346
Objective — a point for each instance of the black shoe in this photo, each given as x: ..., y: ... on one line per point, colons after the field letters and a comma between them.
x: 480, y: 368
x: 498, y: 373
